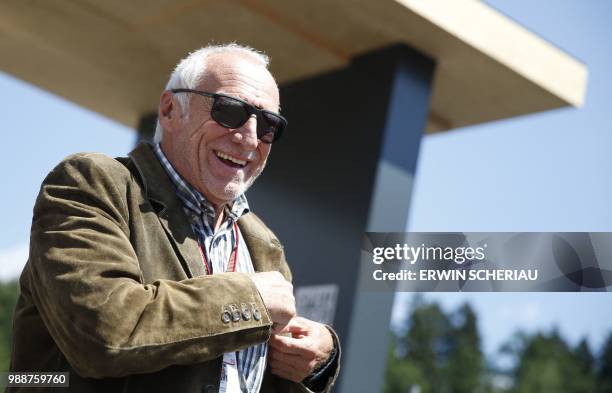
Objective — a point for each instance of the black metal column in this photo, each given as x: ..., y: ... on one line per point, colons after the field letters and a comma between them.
x: 345, y: 166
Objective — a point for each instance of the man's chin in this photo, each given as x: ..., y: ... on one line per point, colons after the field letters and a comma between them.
x: 233, y: 191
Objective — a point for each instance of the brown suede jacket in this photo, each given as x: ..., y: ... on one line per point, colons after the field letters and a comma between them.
x: 115, y: 292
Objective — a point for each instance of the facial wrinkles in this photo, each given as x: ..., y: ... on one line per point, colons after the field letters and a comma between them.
x: 256, y: 87
x: 253, y: 85
x: 243, y: 80
x: 193, y: 120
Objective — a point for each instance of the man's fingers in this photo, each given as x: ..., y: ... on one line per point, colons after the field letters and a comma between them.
x: 277, y: 295
x: 296, y: 361
x: 296, y: 357
x: 277, y: 328
x: 295, y: 328
x: 296, y: 325
x: 285, y: 329
x: 288, y: 345
x: 286, y: 371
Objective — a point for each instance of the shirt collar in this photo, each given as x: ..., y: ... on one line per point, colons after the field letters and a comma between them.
x: 192, y: 199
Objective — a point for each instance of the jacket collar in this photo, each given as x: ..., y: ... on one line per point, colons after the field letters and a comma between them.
x: 264, y: 248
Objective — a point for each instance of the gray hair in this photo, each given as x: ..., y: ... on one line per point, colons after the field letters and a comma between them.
x: 190, y: 72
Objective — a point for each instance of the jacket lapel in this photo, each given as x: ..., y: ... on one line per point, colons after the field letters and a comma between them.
x: 266, y: 251
x: 160, y: 191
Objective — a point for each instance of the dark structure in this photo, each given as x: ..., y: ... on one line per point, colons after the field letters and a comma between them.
x: 344, y: 167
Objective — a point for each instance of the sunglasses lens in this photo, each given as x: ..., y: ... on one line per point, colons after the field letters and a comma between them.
x: 269, y: 127
x: 232, y: 113
x: 229, y: 113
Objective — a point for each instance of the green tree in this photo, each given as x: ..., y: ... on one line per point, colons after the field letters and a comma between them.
x: 9, y: 292
x: 581, y: 372
x: 604, y: 373
x: 401, y: 374
x: 584, y: 356
x: 428, y: 345
x: 436, y: 351
x: 466, y: 362
x: 548, y: 364
x: 540, y: 368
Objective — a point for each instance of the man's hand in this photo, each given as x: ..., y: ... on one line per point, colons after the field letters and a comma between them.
x: 277, y: 295
x: 295, y: 358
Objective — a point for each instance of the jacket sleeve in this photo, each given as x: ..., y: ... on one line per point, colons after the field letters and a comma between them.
x: 324, y: 381
x: 86, y: 284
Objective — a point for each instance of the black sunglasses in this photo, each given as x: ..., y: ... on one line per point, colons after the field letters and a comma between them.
x: 232, y: 112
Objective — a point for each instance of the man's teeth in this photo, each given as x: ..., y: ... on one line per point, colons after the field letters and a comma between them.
x: 232, y: 159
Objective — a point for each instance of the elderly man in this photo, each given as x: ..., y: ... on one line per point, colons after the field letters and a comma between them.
x: 150, y: 273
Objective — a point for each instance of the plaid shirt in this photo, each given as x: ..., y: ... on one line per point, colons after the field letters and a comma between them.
x: 217, y: 247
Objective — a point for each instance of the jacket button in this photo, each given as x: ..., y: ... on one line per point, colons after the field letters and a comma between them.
x: 209, y: 389
x: 246, y: 313
x: 255, y: 311
x: 235, y: 313
x: 226, y: 317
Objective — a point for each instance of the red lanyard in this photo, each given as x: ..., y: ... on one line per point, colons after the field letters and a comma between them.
x: 231, y: 266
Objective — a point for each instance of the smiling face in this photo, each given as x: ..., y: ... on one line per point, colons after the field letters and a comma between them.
x: 219, y: 162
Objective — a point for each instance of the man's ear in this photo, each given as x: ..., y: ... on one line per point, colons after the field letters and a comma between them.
x: 168, y: 112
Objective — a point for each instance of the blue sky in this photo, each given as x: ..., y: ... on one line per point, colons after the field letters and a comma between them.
x: 39, y: 130
x: 543, y: 172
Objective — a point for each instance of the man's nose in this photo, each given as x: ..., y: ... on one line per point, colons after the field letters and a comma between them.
x: 247, y: 134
